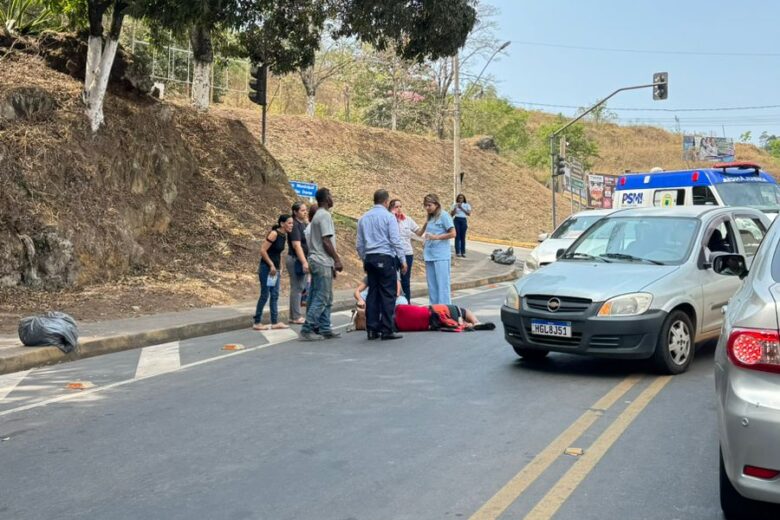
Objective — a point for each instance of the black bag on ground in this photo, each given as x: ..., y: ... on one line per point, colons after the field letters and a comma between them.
x: 53, y: 328
x: 504, y: 257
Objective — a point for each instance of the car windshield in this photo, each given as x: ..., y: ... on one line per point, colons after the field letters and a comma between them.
x: 574, y: 226
x: 651, y: 240
x: 752, y: 194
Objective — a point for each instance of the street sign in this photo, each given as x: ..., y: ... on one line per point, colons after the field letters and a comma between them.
x: 304, y: 189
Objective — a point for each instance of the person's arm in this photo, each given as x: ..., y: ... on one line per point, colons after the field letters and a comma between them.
x: 449, y: 226
x: 420, y: 231
x: 360, y: 244
x: 327, y: 244
x: 395, y: 240
x: 327, y: 230
x: 414, y: 228
x: 466, y: 208
x: 454, y: 207
x: 358, y: 296
x: 269, y: 240
x: 298, y: 248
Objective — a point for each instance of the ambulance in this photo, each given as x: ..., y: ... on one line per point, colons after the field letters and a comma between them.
x: 724, y: 184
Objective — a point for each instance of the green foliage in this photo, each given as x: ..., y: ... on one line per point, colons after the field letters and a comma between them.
x: 579, y: 145
x: 25, y: 17
x: 773, y: 147
x: 746, y: 137
x: 415, y: 30
x: 495, y: 116
x: 72, y: 12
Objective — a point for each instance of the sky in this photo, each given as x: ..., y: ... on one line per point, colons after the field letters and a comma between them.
x: 718, y: 55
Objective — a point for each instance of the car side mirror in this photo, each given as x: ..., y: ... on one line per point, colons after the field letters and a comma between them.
x: 559, y: 253
x: 729, y: 264
x: 543, y: 236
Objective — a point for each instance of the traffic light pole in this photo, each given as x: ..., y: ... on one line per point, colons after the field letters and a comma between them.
x: 263, y: 125
x: 554, y: 136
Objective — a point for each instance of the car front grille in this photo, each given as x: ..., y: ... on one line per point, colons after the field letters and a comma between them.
x: 605, y: 341
x: 538, y: 302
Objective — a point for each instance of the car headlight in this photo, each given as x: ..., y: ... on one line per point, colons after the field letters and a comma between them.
x: 512, y: 299
x: 626, y: 305
x: 531, y: 264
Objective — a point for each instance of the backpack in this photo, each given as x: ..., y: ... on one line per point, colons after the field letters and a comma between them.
x: 445, y: 318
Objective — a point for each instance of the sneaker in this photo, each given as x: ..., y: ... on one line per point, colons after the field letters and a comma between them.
x: 331, y: 335
x: 391, y: 336
x: 311, y: 336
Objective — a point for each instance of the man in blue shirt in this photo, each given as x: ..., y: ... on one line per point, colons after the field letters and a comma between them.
x: 379, y: 246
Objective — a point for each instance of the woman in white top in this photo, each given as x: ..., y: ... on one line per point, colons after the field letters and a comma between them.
x: 460, y: 211
x: 408, y: 229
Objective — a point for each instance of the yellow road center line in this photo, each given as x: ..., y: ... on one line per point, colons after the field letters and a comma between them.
x: 519, y: 483
x: 554, y: 498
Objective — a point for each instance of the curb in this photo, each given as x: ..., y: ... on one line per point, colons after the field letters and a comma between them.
x: 35, y: 357
x: 501, y: 242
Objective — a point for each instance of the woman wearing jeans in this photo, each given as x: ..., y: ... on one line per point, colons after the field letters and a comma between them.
x: 461, y: 211
x: 437, y: 232
x: 407, y: 228
x: 296, y: 263
x: 270, y: 267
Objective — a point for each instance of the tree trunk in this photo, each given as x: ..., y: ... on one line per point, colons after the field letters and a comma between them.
x: 100, y: 59
x: 310, y: 85
x: 311, y: 105
x: 202, y: 61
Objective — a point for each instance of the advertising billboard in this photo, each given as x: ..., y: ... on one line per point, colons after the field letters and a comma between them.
x: 702, y: 148
x: 601, y: 189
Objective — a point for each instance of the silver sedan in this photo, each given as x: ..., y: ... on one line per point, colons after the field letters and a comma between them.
x: 747, y: 380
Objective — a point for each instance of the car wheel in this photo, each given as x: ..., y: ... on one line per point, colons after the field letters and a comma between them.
x: 734, y: 505
x: 531, y: 354
x: 674, y: 351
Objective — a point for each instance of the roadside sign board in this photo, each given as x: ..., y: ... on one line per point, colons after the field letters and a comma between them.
x: 304, y: 189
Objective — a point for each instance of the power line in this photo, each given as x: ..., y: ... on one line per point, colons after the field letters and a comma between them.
x: 633, y: 109
x: 649, y: 51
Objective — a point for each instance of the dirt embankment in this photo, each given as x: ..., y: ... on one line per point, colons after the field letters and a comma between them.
x: 163, y: 209
x: 355, y: 160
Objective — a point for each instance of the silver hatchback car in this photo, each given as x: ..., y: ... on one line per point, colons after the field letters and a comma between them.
x: 747, y: 380
x: 637, y: 284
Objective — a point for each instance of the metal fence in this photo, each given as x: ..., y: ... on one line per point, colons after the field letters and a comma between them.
x: 173, y: 66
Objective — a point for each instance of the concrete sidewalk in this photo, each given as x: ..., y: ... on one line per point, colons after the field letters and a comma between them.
x: 105, y: 337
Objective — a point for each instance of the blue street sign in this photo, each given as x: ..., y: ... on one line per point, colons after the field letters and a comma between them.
x: 304, y: 189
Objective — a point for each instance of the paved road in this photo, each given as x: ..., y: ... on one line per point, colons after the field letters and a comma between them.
x: 436, y: 425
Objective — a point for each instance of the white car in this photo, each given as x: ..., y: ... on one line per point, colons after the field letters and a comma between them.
x: 567, y: 232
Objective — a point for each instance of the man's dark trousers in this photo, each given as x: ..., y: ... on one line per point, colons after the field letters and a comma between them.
x: 382, y: 287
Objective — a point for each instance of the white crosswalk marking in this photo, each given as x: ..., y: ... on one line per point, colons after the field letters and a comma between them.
x: 279, y: 335
x: 158, y: 360
x: 9, y: 381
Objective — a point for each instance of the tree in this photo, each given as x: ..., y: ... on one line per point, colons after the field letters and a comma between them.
x: 746, y: 137
x: 100, y: 54
x: 599, y: 115
x: 478, y: 47
x: 200, y: 20
x: 494, y: 116
x: 330, y: 61
x: 579, y: 145
x: 416, y: 30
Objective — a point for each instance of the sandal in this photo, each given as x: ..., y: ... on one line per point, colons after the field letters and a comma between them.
x: 277, y: 326
x: 260, y: 326
x: 299, y: 321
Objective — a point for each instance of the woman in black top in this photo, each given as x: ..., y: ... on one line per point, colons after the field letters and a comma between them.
x: 296, y: 263
x: 269, y: 270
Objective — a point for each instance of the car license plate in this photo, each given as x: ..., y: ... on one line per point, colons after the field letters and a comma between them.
x: 551, y: 328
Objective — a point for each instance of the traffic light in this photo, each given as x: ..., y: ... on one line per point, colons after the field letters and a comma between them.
x: 257, y: 83
x: 660, y: 85
x: 560, y: 165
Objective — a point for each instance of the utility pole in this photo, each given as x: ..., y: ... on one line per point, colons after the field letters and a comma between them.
x: 456, y: 126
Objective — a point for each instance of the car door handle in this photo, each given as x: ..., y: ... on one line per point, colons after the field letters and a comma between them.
x: 724, y: 309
